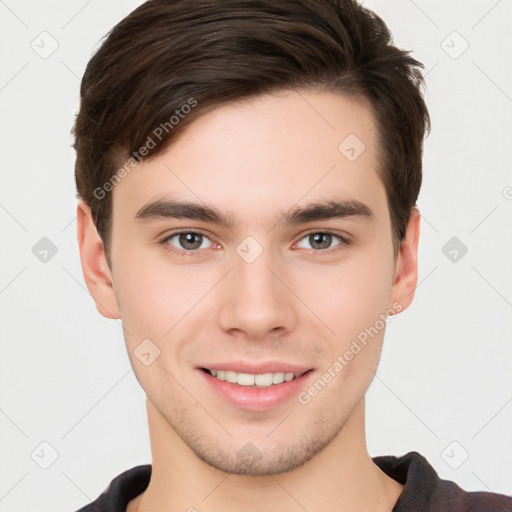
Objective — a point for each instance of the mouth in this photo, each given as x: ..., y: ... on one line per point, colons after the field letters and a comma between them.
x: 261, y: 380
x: 257, y: 392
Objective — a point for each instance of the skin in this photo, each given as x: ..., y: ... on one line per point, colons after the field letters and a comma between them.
x: 255, y: 159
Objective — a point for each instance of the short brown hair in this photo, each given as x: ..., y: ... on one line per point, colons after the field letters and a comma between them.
x: 168, y: 54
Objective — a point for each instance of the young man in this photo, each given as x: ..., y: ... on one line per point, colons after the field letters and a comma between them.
x: 248, y: 174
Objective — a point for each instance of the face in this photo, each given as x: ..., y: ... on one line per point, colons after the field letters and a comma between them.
x: 272, y: 289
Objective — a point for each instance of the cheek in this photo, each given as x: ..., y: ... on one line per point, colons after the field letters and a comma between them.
x: 355, y: 309
x: 154, y: 295
x: 351, y: 296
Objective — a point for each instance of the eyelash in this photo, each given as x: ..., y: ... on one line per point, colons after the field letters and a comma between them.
x: 172, y: 249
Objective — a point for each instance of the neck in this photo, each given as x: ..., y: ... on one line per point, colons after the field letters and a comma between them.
x: 342, y: 476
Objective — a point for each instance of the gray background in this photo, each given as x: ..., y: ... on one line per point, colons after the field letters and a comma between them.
x: 443, y: 387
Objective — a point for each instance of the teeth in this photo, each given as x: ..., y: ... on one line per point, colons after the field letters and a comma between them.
x: 263, y: 380
x: 230, y: 377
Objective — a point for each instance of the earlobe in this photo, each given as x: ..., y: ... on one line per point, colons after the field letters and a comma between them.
x: 406, y: 271
x: 97, y: 274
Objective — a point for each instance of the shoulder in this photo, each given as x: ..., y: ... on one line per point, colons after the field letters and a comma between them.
x: 121, y: 490
x: 424, y: 491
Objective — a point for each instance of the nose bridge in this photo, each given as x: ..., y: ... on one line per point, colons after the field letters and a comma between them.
x: 252, y: 272
x: 255, y: 278
x: 257, y: 301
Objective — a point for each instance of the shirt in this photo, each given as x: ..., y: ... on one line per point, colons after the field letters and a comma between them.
x: 423, y: 490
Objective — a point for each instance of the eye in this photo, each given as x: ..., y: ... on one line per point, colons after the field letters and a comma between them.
x: 322, y: 240
x: 186, y: 241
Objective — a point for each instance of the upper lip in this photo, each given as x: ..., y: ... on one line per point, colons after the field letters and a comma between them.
x: 257, y: 369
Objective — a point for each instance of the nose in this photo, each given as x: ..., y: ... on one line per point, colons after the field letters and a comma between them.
x: 257, y: 299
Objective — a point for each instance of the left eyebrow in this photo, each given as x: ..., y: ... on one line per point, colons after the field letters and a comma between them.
x: 329, y: 209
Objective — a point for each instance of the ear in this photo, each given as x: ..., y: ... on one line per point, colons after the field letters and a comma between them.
x: 405, y: 278
x: 97, y: 274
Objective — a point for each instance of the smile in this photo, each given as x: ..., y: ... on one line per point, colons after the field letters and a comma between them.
x: 262, y: 380
x: 256, y: 392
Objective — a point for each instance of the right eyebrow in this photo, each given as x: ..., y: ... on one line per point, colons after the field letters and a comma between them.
x: 171, y: 209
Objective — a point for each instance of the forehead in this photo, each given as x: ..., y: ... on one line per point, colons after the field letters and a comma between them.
x: 272, y: 150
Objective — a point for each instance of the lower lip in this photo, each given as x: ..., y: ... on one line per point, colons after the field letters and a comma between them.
x: 256, y: 399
